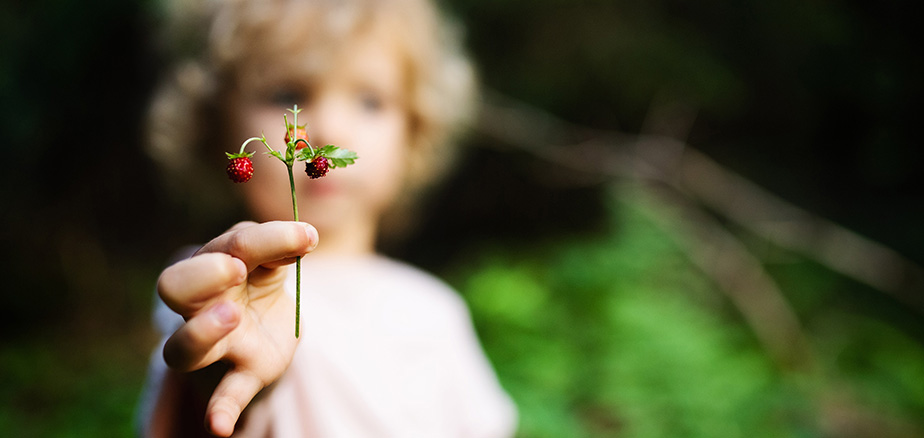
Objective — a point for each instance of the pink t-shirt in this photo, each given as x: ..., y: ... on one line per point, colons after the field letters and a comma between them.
x: 386, y: 351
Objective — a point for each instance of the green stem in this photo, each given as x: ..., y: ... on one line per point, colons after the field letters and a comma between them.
x: 250, y: 140
x: 298, y: 260
x: 290, y: 160
x: 310, y: 148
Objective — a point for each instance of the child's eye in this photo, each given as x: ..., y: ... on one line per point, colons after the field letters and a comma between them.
x: 371, y: 102
x: 286, y: 97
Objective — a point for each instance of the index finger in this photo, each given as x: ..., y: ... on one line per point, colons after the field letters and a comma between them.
x: 261, y: 244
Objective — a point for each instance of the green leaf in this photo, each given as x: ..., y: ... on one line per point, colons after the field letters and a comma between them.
x: 327, y: 150
x: 345, y: 154
x: 342, y: 158
x: 239, y: 155
x: 340, y: 162
x: 331, y: 152
x: 276, y: 154
x: 305, y: 154
x: 339, y: 157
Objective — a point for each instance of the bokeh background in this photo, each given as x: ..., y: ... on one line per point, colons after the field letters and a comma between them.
x: 694, y: 219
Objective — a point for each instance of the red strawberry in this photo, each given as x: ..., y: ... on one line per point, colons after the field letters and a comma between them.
x: 240, y: 169
x: 300, y: 133
x: 317, y: 167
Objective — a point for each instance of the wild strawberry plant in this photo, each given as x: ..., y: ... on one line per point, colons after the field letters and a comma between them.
x: 318, y: 162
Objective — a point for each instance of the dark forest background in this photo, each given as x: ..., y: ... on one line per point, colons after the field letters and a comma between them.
x: 815, y: 102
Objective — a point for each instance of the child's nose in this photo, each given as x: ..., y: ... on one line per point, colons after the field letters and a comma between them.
x: 327, y: 123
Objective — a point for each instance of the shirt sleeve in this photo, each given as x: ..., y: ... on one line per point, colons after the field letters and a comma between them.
x: 485, y: 408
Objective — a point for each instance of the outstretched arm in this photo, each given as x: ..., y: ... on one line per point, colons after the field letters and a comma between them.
x: 238, y: 317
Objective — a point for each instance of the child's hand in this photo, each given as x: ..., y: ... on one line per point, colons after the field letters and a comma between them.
x: 231, y: 296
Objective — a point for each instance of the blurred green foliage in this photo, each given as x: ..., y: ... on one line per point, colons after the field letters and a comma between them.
x: 65, y: 384
x: 620, y: 334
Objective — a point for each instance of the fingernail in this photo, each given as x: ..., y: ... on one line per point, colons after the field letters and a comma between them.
x: 221, y: 424
x: 312, y: 233
x: 241, y: 270
x: 223, y: 313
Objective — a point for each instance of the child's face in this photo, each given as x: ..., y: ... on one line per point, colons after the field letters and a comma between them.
x: 359, y: 104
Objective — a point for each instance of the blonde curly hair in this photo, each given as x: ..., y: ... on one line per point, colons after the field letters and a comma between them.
x: 217, y: 45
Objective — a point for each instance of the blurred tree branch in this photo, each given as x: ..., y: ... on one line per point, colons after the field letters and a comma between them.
x: 673, y: 172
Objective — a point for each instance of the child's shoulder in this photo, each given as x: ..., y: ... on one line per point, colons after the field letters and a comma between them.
x: 385, y: 293
x: 378, y: 277
x: 393, y: 287
x: 403, y: 281
x: 414, y: 304
x: 401, y: 272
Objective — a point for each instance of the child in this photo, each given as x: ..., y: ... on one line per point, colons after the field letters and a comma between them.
x: 385, y: 350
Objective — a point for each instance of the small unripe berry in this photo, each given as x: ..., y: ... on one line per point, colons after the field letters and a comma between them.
x: 299, y: 133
